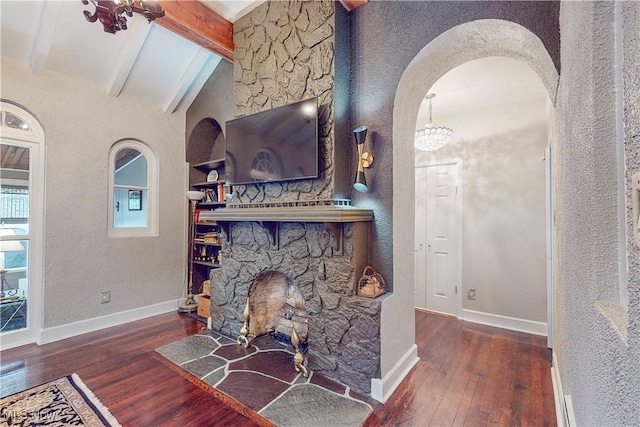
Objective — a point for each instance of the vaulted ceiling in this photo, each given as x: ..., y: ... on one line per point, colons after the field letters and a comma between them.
x: 166, y: 62
x: 168, y: 67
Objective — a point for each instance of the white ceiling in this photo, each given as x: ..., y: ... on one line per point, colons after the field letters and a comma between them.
x: 146, y: 60
x: 481, y: 83
x: 232, y: 9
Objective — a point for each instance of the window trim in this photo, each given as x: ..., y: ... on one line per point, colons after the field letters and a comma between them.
x: 151, y: 230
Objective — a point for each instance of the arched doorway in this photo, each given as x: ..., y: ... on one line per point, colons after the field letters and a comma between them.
x: 21, y: 225
x: 463, y: 43
x: 480, y: 200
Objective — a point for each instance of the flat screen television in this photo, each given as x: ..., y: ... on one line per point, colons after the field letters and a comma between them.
x: 280, y: 144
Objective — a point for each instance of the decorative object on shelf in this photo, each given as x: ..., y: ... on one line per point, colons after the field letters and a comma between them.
x: 6, y: 289
x: 189, y: 305
x: 371, y: 284
x: 365, y: 159
x: 212, y: 175
x: 110, y: 12
x: 432, y: 137
x: 228, y: 192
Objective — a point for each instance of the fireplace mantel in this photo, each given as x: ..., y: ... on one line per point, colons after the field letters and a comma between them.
x: 332, y: 216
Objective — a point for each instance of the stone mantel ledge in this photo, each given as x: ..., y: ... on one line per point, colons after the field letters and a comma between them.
x: 332, y: 216
x: 339, y: 214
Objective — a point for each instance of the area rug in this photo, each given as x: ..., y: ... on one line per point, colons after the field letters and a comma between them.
x: 65, y: 401
x: 263, y: 379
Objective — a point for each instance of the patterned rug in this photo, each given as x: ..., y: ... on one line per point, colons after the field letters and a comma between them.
x: 263, y: 379
x: 65, y: 401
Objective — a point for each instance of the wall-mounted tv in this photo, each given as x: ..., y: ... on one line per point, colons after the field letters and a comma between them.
x: 280, y: 144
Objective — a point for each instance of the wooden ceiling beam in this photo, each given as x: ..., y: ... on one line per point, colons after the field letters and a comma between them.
x: 199, y: 24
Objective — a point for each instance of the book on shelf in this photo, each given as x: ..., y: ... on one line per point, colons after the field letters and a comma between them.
x: 210, y: 195
x: 221, y: 192
x: 211, y: 238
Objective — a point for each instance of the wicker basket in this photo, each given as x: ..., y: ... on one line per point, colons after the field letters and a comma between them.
x: 371, y: 284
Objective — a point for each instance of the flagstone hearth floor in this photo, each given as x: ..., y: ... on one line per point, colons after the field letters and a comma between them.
x: 262, y: 378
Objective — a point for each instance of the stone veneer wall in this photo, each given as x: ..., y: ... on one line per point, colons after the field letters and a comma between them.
x: 285, y: 52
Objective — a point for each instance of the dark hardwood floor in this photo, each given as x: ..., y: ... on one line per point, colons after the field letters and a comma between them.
x: 118, y: 364
x: 468, y: 374
x: 472, y: 375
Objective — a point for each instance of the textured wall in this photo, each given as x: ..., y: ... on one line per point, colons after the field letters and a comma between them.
x: 503, y: 206
x: 81, y: 123
x: 386, y: 36
x: 389, y: 84
x: 597, y: 341
x: 215, y: 101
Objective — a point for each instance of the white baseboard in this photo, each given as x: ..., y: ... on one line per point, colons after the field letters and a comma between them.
x: 557, y: 391
x: 505, y: 322
x: 69, y: 330
x: 564, y: 406
x: 381, y: 389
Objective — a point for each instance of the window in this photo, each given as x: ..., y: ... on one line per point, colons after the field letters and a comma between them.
x: 132, y: 190
x: 21, y: 224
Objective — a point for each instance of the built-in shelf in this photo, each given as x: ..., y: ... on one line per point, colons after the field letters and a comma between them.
x: 208, y: 264
x: 332, y: 216
x: 207, y: 183
x: 211, y: 164
x: 203, y: 243
x: 211, y: 204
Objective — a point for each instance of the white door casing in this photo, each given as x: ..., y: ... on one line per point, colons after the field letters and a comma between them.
x: 438, y: 229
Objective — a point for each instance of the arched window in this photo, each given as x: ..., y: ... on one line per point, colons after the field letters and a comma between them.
x: 21, y: 224
x: 133, y: 190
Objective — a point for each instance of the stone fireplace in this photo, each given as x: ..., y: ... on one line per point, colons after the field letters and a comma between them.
x: 286, y: 51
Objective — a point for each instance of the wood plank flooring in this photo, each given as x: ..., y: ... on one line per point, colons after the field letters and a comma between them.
x: 119, y: 366
x: 471, y: 375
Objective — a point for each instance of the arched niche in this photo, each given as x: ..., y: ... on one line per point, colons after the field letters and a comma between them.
x: 206, y: 142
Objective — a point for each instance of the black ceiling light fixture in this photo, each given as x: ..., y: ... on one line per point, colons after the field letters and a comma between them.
x: 111, y: 12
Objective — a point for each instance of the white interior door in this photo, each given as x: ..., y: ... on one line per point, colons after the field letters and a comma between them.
x: 438, y: 225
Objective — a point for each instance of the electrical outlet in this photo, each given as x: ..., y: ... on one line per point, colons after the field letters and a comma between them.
x: 471, y: 294
x: 105, y: 297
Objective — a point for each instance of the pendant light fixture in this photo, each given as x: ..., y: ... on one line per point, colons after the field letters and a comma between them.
x: 432, y: 137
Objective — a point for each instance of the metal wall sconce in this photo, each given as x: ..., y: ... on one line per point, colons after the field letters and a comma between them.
x: 365, y: 159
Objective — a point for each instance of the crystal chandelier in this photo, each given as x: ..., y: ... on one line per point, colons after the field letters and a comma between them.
x: 432, y: 137
x: 110, y: 12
